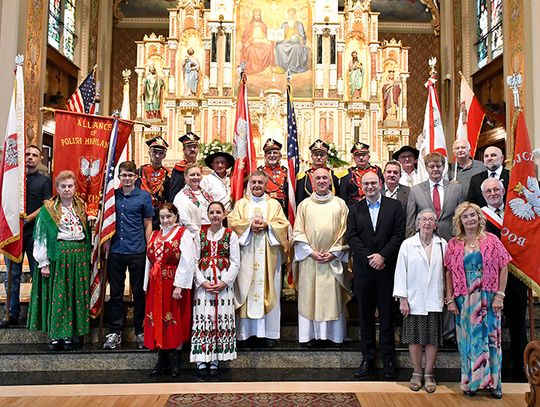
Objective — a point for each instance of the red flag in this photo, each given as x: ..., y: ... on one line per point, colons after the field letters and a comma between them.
x: 521, y: 227
x: 245, y: 158
x: 81, y: 144
x: 12, y: 173
x: 471, y: 116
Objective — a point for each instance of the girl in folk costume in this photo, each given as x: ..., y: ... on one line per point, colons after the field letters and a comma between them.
x: 60, y: 298
x: 192, y: 201
x: 170, y: 259
x: 213, y: 336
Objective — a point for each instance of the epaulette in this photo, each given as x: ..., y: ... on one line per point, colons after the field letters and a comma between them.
x: 341, y: 172
x: 300, y: 175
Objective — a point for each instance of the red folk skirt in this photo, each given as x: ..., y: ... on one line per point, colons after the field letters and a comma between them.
x: 167, y: 323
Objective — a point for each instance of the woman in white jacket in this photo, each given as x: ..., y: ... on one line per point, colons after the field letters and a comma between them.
x: 419, y: 285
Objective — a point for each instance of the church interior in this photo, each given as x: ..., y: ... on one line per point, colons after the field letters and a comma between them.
x: 357, y: 71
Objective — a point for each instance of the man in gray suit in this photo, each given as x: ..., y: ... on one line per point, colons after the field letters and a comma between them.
x: 392, y: 188
x: 437, y: 195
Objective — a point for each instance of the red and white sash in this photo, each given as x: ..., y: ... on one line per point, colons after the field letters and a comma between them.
x: 492, y: 217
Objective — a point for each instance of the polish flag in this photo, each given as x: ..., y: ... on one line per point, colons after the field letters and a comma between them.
x: 12, y: 173
x: 471, y: 116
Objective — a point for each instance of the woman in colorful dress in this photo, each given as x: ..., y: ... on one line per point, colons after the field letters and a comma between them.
x: 60, y: 297
x: 213, y: 336
x: 419, y: 285
x: 192, y: 201
x: 476, y: 263
x: 170, y: 262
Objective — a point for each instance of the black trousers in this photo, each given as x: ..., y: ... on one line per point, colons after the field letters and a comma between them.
x: 515, y: 307
x: 374, y: 291
x: 116, y: 272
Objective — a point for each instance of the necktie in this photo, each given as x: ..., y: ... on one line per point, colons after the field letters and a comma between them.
x: 436, y: 200
x: 493, y: 175
x: 498, y: 212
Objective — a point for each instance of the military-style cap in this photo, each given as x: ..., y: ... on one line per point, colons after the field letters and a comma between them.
x: 272, y: 144
x: 404, y: 149
x: 189, y: 138
x: 157, y: 142
x: 319, y: 145
x: 360, y: 148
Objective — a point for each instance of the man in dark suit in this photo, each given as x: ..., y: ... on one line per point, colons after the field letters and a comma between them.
x: 375, y: 230
x: 435, y: 194
x: 392, y: 188
x: 493, y: 160
x: 515, y: 300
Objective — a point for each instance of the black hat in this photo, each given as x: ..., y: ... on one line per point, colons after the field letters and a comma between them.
x: 405, y: 149
x: 209, y: 158
x: 272, y: 144
x: 359, y: 148
x: 189, y: 138
x: 319, y: 145
x: 157, y: 142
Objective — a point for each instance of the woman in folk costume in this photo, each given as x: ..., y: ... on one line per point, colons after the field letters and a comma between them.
x: 170, y: 258
x: 192, y: 201
x: 60, y: 298
x: 213, y: 336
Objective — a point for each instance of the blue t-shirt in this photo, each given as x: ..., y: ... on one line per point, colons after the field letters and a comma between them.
x: 131, y: 210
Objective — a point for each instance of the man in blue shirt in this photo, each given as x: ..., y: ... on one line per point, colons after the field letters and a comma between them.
x: 134, y: 213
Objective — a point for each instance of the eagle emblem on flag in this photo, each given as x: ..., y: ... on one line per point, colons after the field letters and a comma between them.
x: 528, y: 208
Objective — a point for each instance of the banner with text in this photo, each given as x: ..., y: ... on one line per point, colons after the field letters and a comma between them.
x: 81, y: 144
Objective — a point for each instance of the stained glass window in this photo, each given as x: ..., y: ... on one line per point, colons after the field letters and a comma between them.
x: 489, y: 30
x: 61, y: 27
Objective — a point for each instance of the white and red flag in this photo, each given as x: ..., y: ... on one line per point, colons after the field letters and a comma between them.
x: 471, y: 116
x: 12, y: 173
x: 433, y: 134
x: 245, y: 159
x: 520, y: 233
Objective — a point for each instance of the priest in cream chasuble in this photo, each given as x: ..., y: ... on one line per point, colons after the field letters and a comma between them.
x: 322, y: 279
x: 261, y: 225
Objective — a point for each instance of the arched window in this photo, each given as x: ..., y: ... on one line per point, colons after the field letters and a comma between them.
x: 61, y: 33
x: 489, y: 19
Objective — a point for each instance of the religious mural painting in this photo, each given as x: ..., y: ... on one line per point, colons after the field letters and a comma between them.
x: 273, y: 38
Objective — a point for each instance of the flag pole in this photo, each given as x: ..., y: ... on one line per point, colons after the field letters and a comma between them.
x: 515, y: 81
x: 53, y: 110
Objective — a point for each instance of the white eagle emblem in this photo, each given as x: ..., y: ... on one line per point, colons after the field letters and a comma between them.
x: 11, y: 155
x: 527, y: 209
x: 89, y: 168
x: 240, y: 139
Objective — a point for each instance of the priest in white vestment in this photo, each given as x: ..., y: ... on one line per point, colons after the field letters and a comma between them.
x: 261, y: 227
x: 320, y: 249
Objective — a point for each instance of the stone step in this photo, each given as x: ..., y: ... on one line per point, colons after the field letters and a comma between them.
x: 286, y: 354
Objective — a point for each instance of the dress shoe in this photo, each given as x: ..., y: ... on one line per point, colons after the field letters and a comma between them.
x: 469, y: 393
x: 389, y: 371
x: 55, y: 344
x: 6, y: 323
x: 365, y: 368
x: 68, y: 344
x: 270, y: 343
x: 161, y: 364
x: 496, y: 394
x: 308, y: 345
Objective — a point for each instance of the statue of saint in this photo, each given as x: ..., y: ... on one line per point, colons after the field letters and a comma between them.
x: 390, y: 93
x: 152, y: 93
x: 356, y: 76
x: 292, y: 53
x: 257, y: 51
x: 191, y: 73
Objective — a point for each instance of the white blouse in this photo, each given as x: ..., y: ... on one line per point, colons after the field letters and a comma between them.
x: 183, y: 277
x: 70, y: 228
x: 191, y: 215
x: 227, y: 276
x: 219, y: 189
x: 418, y: 279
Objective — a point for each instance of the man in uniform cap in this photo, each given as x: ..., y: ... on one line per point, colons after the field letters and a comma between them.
x: 277, y: 186
x: 408, y: 158
x: 190, y: 141
x: 304, y: 181
x: 154, y: 177
x: 350, y: 189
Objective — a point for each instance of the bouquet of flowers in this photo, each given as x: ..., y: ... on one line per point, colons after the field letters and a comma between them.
x: 334, y: 159
x: 213, y: 147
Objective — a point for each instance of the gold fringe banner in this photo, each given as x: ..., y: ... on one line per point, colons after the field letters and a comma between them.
x: 529, y: 282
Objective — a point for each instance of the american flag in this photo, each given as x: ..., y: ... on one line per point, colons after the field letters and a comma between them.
x: 292, y: 156
x: 106, y: 227
x: 83, y: 100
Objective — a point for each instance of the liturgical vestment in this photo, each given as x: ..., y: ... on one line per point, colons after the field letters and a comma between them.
x: 258, y: 285
x: 320, y: 225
